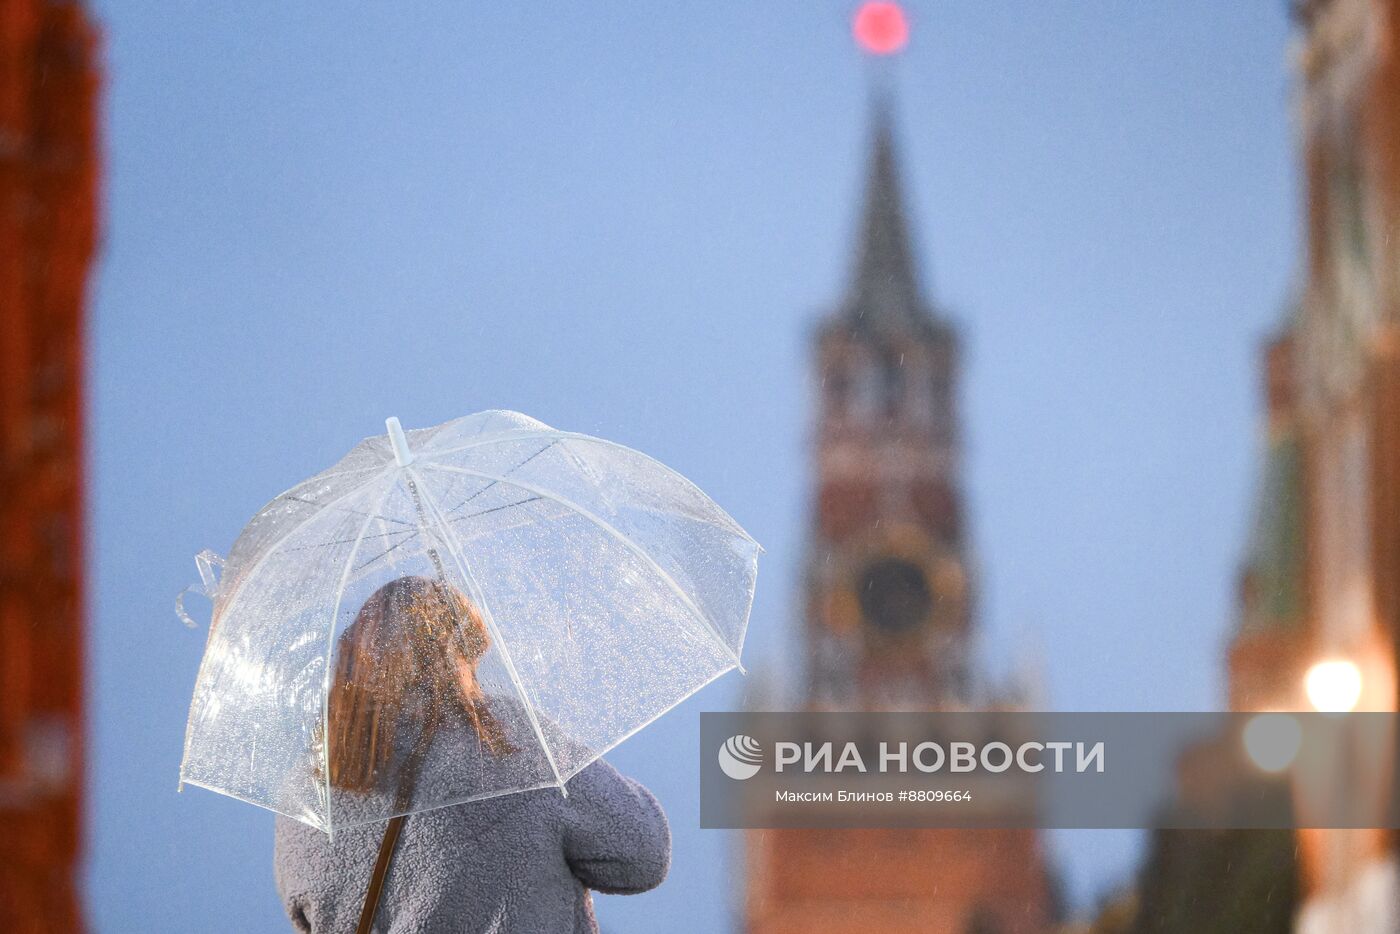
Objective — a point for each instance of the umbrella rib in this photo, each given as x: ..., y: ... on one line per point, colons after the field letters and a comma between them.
x: 257, y: 565
x: 621, y: 537
x: 508, y: 472
x: 479, y: 596
x: 431, y: 457
x: 312, y: 502
x: 330, y: 661
x: 323, y: 476
x: 388, y: 551
x: 485, y: 512
x: 237, y: 595
x: 413, y: 533
x: 346, y: 541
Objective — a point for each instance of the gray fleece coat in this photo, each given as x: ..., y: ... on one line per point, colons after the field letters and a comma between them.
x: 516, y: 864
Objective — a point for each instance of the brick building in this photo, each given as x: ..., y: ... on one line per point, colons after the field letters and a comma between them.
x: 48, y: 232
x: 1322, y: 578
x: 889, y: 606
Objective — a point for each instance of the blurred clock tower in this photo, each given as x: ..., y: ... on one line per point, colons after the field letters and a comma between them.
x: 888, y: 601
x: 888, y: 587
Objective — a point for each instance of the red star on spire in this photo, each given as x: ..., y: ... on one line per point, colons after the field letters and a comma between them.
x: 880, y: 27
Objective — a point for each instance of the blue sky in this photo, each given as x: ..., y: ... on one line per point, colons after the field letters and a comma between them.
x: 625, y: 219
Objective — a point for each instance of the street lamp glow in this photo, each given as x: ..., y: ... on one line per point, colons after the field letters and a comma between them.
x: 1334, y: 686
x: 1272, y: 741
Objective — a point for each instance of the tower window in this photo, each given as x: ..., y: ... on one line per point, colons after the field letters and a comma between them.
x: 940, y: 405
x: 938, y: 506
x: 845, y: 508
x: 837, y: 388
x: 892, y: 383
x: 871, y: 389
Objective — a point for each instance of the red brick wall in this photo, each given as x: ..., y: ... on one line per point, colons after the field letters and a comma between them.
x: 903, y: 881
x: 48, y: 224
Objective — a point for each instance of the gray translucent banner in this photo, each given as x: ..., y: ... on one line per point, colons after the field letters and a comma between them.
x: 1052, y: 770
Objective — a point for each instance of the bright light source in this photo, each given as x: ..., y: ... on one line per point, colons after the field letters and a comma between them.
x: 1273, y: 740
x: 1334, y: 686
x: 881, y: 28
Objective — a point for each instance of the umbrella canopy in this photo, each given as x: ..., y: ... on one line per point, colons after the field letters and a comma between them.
x: 459, y: 612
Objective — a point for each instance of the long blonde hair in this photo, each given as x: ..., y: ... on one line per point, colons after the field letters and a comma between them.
x: 408, y: 660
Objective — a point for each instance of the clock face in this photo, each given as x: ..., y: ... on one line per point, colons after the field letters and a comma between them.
x: 894, y: 595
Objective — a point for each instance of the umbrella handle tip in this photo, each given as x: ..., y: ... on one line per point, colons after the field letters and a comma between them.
x: 398, y: 441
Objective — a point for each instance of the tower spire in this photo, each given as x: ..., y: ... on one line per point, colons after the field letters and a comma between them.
x: 885, y: 292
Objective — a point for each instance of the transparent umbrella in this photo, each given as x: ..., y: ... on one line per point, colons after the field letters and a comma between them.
x: 456, y: 613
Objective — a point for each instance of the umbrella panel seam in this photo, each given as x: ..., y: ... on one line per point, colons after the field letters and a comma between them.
x: 706, y: 624
x: 474, y: 585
